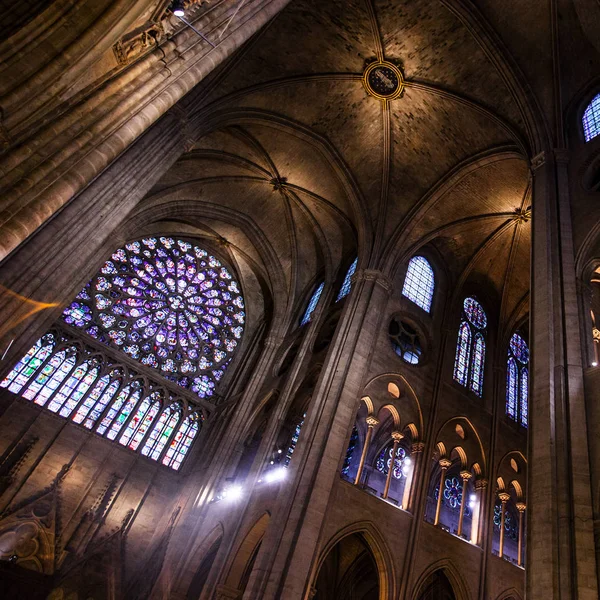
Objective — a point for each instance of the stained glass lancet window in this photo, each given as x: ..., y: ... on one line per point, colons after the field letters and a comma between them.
x: 347, y: 285
x: 517, y: 380
x: 314, y: 300
x: 419, y: 283
x: 168, y: 304
x: 469, y: 361
x: 294, y: 441
x: 591, y: 119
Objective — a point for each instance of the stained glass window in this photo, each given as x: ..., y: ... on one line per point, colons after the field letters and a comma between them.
x: 591, y: 119
x: 469, y: 361
x: 419, y: 282
x: 347, y: 285
x: 168, y: 304
x: 384, y: 461
x: 293, y: 441
x: 350, y: 452
x: 517, y: 379
x: 182, y: 441
x: 511, y: 525
x: 312, y: 304
x: 71, y: 382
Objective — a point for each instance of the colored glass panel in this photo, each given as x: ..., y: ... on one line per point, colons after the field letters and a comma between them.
x: 294, y: 441
x: 524, y: 391
x: 591, y: 119
x: 347, y: 284
x: 512, y: 387
x: 141, y: 421
x: 517, y: 380
x: 477, y: 365
x: 82, y: 388
x: 419, y: 283
x: 384, y: 461
x: 162, y: 431
x: 312, y: 304
x: 475, y: 313
x: 182, y: 441
x: 26, y: 368
x: 167, y: 304
x: 350, y: 451
x: 463, y: 353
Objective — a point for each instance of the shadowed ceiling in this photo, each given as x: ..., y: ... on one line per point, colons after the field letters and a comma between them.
x: 319, y: 168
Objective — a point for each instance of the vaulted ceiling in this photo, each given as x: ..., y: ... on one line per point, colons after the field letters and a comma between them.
x: 319, y: 168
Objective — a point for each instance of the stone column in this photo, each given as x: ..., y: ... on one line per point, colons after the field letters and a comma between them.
x: 417, y: 451
x: 396, y: 436
x: 445, y: 465
x: 285, y: 563
x: 521, y: 506
x: 371, y: 422
x: 504, y: 498
x: 480, y: 487
x: 560, y: 550
x: 466, y: 475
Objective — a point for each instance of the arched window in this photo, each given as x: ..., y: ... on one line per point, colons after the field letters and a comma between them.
x: 469, y: 361
x: 74, y: 387
x: 182, y: 441
x: 347, y: 285
x: 419, y: 282
x: 312, y: 304
x: 29, y: 364
x: 591, y: 119
x: 138, y: 426
x: 162, y: 431
x: 517, y: 379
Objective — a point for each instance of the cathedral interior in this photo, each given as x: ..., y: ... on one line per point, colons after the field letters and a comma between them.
x: 298, y: 300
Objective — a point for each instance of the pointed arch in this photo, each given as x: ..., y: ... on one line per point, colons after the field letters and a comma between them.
x: 450, y: 572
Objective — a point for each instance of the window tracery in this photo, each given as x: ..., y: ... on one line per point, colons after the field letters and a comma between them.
x: 419, y: 283
x: 384, y: 461
x: 469, y: 361
x: 347, y: 284
x: 591, y: 119
x: 314, y: 300
x: 517, y: 380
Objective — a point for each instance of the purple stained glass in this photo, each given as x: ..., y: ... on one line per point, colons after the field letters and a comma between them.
x: 475, y: 313
x: 463, y: 354
x: 419, y: 282
x: 477, y: 365
x: 591, y: 119
x: 167, y: 304
x: 517, y: 380
x: 512, y: 386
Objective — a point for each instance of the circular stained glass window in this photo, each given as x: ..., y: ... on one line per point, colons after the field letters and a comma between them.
x: 405, y: 341
x: 168, y: 304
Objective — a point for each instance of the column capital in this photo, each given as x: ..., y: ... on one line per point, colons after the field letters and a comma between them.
x: 418, y: 447
x: 481, y: 484
x: 504, y: 497
x: 466, y: 475
x: 445, y: 463
x: 374, y: 275
x: 521, y: 506
x: 538, y: 161
x: 397, y: 436
x: 372, y: 421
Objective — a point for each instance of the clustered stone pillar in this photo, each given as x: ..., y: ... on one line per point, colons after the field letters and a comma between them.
x: 371, y: 422
x: 466, y: 475
x: 521, y: 506
x: 445, y: 465
x: 504, y: 498
x: 396, y: 436
x: 480, y: 487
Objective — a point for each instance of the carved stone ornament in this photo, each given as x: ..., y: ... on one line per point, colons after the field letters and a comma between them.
x: 372, y: 421
x: 134, y: 44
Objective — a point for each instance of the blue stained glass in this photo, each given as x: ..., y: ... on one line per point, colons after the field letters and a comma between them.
x: 477, y: 365
x: 312, y: 304
x: 469, y: 363
x: 419, y: 283
x: 517, y: 380
x: 384, y: 461
x: 452, y: 492
x: 350, y: 452
x: 161, y: 290
x: 347, y: 285
x: 294, y: 441
x: 463, y: 353
x: 512, y: 386
x: 591, y: 119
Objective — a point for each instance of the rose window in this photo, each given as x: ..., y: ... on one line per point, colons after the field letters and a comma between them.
x: 168, y: 304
